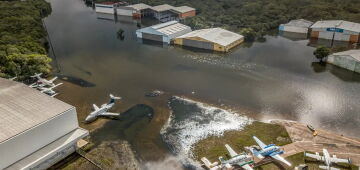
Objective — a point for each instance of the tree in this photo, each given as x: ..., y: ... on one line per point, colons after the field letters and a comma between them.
x: 321, y: 53
x: 248, y: 33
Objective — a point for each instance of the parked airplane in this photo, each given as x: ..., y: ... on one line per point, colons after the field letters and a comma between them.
x: 102, y: 111
x: 42, y: 81
x: 49, y: 90
x: 268, y: 150
x: 327, y: 159
x: 209, y: 165
x: 242, y: 160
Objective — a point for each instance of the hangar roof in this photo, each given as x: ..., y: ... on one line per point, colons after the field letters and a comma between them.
x: 352, y: 53
x: 346, y: 25
x: 140, y: 6
x: 161, y: 8
x: 22, y: 108
x: 216, y: 35
x: 167, y: 28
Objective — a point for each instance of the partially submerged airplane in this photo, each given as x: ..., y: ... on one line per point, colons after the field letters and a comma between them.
x: 42, y: 82
x: 103, y: 110
x: 268, y: 150
x: 49, y: 90
x: 327, y: 159
x: 243, y: 160
x: 209, y: 165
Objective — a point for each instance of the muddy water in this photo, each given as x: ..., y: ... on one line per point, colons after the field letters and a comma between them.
x: 276, y: 78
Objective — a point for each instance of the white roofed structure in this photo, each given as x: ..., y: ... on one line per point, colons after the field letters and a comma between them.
x: 140, y: 6
x: 347, y: 59
x: 337, y: 30
x: 161, y: 8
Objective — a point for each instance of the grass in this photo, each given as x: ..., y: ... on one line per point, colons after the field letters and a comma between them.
x: 299, y: 158
x: 213, y: 147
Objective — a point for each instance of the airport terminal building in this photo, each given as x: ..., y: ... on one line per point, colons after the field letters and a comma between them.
x: 36, y: 130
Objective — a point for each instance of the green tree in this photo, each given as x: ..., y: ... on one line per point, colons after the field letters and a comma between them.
x: 248, y: 33
x: 322, y: 52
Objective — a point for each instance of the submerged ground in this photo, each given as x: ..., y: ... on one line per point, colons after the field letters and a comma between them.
x: 275, y: 78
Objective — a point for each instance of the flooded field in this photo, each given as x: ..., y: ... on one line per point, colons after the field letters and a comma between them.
x: 275, y: 78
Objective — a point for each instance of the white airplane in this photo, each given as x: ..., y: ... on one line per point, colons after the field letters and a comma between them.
x: 268, y: 150
x: 102, y: 111
x: 211, y: 166
x: 42, y: 82
x: 49, y: 90
x: 327, y: 159
x: 242, y: 160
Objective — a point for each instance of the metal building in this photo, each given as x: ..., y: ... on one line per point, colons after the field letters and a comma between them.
x: 136, y: 10
x: 108, y: 7
x: 216, y: 39
x: 347, y: 59
x: 183, y: 12
x: 36, y: 130
x: 163, y: 13
x: 164, y: 32
x: 296, y: 26
x: 337, y: 30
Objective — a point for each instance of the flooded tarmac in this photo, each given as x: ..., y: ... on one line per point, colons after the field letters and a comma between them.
x: 275, y: 78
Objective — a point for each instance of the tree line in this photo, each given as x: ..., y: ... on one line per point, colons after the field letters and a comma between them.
x: 23, y: 38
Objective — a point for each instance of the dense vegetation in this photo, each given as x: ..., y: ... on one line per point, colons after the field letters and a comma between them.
x: 22, y: 38
x: 262, y: 15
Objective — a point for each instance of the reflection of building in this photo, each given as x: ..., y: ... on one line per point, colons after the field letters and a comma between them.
x: 136, y: 11
x: 164, y: 32
x: 337, y: 30
x: 296, y: 26
x: 293, y: 35
x: 36, y: 130
x: 348, y: 59
x: 108, y: 7
x: 216, y: 39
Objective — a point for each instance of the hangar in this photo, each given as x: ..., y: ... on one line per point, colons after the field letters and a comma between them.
x: 337, y: 30
x: 136, y: 10
x: 296, y: 26
x: 216, y: 39
x: 36, y: 130
x: 347, y: 59
x: 164, y: 32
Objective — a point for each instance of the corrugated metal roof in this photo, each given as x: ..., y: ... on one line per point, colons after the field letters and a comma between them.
x: 158, y: 26
x: 352, y: 53
x: 215, y: 35
x: 299, y: 23
x: 22, y: 108
x: 161, y: 8
x: 183, y: 9
x: 174, y: 28
x: 346, y: 25
x: 140, y: 6
x: 167, y: 28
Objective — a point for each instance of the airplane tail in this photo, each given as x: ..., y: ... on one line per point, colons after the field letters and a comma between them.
x: 36, y: 75
x: 256, y: 153
x: 221, y: 159
x: 207, y: 163
x: 113, y: 98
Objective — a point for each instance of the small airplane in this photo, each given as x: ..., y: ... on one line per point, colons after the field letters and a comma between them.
x: 49, y: 90
x: 327, y: 159
x: 243, y: 160
x: 268, y: 150
x: 42, y: 82
x: 209, y: 165
x: 102, y: 111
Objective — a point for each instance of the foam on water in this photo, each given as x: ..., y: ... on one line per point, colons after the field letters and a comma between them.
x: 192, y: 121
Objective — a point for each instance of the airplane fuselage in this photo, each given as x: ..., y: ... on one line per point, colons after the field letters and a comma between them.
x: 93, y: 115
x: 327, y: 157
x: 270, y: 151
x: 239, y: 159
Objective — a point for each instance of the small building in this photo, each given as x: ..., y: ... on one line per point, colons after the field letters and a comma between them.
x: 337, y: 30
x: 347, y: 59
x: 216, y: 39
x: 36, y: 130
x: 136, y: 10
x: 163, y: 32
x: 108, y: 7
x: 163, y: 13
x: 183, y: 12
x: 296, y: 26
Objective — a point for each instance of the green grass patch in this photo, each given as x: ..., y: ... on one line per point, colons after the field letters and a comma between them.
x: 213, y: 147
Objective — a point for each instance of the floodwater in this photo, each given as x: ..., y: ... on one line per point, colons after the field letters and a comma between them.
x: 275, y: 78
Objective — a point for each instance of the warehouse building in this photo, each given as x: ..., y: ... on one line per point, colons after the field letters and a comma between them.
x: 347, y: 59
x: 108, y: 7
x: 216, y: 39
x: 136, y: 10
x: 36, y: 130
x: 337, y: 30
x: 167, y: 12
x: 183, y: 12
x: 164, y: 32
x: 296, y: 26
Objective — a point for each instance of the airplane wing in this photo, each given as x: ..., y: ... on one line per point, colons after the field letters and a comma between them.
x: 258, y: 141
x: 96, y: 108
x: 317, y: 157
x: 109, y: 114
x: 230, y: 150
x: 52, y: 80
x: 328, y: 168
x: 247, y: 167
x: 279, y: 158
x: 338, y: 160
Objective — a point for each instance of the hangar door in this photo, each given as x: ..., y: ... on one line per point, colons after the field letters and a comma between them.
x: 198, y: 44
x: 153, y: 37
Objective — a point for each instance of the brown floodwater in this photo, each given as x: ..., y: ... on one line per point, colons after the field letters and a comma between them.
x: 274, y: 78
